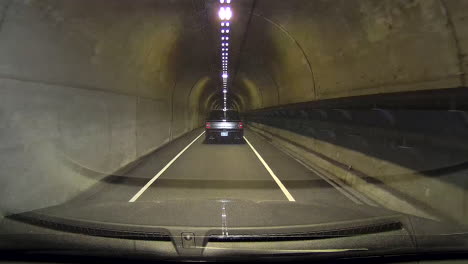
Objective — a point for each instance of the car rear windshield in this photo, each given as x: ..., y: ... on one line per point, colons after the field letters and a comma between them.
x: 221, y: 115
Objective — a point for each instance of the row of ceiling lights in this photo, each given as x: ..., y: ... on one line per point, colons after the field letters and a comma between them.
x: 225, y: 14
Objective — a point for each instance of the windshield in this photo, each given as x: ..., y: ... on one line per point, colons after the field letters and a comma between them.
x: 350, y: 125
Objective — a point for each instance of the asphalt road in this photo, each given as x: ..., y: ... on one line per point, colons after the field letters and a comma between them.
x: 189, y: 168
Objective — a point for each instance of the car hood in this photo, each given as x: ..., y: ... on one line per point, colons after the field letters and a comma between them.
x: 221, y: 228
x: 210, y: 213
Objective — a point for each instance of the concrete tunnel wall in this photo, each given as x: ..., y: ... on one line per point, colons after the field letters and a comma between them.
x: 89, y: 86
x: 316, y: 50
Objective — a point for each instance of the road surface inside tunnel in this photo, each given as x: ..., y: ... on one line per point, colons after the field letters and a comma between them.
x: 191, y: 169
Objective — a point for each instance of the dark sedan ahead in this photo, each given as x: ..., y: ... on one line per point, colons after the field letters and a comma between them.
x: 222, y: 124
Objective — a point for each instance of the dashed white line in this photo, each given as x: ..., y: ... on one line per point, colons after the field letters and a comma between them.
x: 280, y: 184
x: 142, y: 190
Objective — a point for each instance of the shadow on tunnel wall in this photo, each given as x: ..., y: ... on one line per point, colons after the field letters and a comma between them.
x: 411, y: 141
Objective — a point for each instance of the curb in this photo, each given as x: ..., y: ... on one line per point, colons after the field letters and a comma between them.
x: 378, y: 194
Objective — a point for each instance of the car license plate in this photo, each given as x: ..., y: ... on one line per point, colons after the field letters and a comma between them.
x: 224, y: 134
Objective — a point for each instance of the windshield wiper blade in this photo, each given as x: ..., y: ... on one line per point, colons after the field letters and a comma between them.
x: 334, y: 233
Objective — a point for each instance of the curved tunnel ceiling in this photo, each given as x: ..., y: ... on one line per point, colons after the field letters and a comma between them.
x: 283, y: 51
x: 91, y: 86
x: 299, y: 51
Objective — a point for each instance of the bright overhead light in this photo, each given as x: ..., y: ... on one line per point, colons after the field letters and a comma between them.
x: 225, y: 91
x: 227, y: 1
x: 227, y: 30
x: 225, y: 13
x: 222, y: 1
x: 225, y: 75
x: 227, y: 24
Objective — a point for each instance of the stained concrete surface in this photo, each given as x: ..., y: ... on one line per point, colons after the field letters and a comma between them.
x: 99, y: 84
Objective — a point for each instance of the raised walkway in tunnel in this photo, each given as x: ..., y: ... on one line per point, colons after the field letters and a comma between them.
x: 254, y: 170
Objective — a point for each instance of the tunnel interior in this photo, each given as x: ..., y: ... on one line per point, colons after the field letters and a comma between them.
x: 88, y: 87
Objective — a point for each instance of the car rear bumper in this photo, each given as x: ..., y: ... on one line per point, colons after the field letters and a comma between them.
x: 232, y: 133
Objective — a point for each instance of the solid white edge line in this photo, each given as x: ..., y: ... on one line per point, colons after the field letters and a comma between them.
x: 280, y: 184
x: 337, y: 186
x: 142, y: 190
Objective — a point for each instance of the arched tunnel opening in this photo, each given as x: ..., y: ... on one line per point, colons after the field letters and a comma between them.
x: 353, y: 109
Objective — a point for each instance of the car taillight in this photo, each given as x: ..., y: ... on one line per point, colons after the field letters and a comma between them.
x: 241, y: 125
x: 208, y: 125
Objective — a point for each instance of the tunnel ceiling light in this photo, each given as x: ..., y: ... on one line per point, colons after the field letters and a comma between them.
x: 225, y: 13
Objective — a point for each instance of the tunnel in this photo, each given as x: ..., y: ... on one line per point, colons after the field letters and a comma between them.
x: 371, y: 94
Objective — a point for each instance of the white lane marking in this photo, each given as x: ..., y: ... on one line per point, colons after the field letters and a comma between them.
x: 339, y: 186
x: 139, y: 193
x: 280, y: 184
x: 346, y: 190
